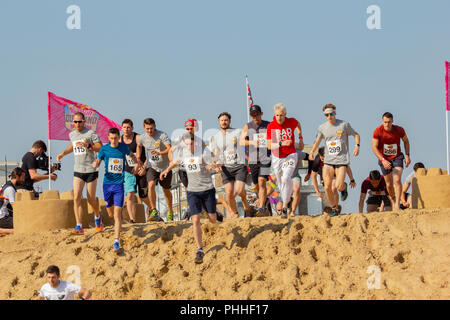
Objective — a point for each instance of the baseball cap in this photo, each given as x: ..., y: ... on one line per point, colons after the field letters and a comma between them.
x: 255, y: 109
x: 192, y: 123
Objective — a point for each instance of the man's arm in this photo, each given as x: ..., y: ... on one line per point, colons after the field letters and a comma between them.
x: 406, y: 144
x: 242, y: 139
x: 357, y: 141
x: 301, y: 145
x: 386, y: 164
x: 84, y: 294
x: 314, y: 148
x: 350, y: 175
x: 361, y: 202
x: 64, y: 153
x: 315, y: 184
x: 36, y: 177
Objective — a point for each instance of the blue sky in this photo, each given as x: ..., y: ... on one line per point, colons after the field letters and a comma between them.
x: 174, y: 60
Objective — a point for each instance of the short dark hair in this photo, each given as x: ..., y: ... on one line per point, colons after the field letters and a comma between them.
x: 329, y: 105
x: 114, y: 131
x: 149, y: 121
x: 53, y: 269
x: 40, y: 144
x: 224, y: 114
x: 128, y: 121
x: 375, y: 175
x: 17, y: 172
x: 79, y: 114
x: 322, y: 151
x: 387, y: 115
x: 418, y: 165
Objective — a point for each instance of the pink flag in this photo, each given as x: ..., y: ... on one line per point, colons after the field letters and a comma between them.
x: 447, y: 84
x: 60, y: 119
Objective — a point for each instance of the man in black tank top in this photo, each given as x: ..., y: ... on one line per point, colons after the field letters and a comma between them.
x: 135, y: 181
x: 254, y: 138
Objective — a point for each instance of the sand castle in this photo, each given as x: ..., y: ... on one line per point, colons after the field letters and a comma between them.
x: 431, y: 189
x: 53, y: 211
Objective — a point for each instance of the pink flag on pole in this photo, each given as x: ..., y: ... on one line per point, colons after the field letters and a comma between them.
x: 60, y: 118
x: 447, y: 84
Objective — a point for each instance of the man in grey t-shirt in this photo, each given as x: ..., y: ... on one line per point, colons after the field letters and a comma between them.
x: 406, y: 199
x: 158, y: 145
x: 198, y: 164
x: 335, y: 132
x: 226, y: 147
x: 85, y: 144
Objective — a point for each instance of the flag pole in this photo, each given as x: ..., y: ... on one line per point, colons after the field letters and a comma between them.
x: 447, y: 108
x: 49, y: 147
x: 446, y: 133
x: 246, y: 91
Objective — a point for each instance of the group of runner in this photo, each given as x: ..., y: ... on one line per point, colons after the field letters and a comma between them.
x: 271, y: 151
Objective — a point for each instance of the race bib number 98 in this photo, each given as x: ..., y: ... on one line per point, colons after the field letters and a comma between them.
x: 231, y: 157
x: 334, y: 147
x: 390, y: 149
x: 115, y: 165
x: 130, y: 161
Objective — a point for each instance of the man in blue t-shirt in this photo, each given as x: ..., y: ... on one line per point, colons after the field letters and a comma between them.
x: 114, y: 154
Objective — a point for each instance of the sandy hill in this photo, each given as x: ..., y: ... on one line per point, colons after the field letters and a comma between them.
x: 253, y: 258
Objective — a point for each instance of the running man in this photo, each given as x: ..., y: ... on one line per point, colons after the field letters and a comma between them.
x: 226, y: 148
x: 281, y: 141
x: 335, y: 132
x: 406, y: 197
x: 57, y: 289
x: 199, y: 164
x: 317, y: 168
x: 135, y: 180
x: 85, y: 144
x: 114, y: 154
x: 378, y: 194
x: 386, y: 147
x: 254, y: 137
x: 157, y: 144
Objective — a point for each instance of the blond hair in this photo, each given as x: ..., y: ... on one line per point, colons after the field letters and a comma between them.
x: 279, y: 107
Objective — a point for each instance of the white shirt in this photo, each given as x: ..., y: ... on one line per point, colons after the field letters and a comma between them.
x: 65, y: 291
x: 227, y: 146
x: 10, y: 194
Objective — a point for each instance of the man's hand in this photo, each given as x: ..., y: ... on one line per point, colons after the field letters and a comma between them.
x: 386, y: 164
x: 319, y: 194
x: 311, y: 157
x: 156, y: 153
x: 95, y: 164
x: 356, y: 151
x: 407, y: 161
x: 53, y: 176
x: 163, y: 174
x: 352, y: 183
x: 59, y: 157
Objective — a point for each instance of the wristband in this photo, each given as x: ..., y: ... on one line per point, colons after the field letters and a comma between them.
x: 353, y: 180
x: 357, y: 144
x: 301, y: 137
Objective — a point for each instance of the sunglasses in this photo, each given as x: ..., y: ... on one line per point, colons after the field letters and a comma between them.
x: 77, y: 121
x: 329, y: 114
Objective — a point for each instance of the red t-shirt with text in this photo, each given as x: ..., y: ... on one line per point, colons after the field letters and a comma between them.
x: 389, y: 141
x: 277, y: 132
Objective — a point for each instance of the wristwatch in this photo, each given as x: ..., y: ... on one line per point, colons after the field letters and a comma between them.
x: 281, y: 143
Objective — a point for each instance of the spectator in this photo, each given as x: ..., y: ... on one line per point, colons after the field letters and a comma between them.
x: 406, y: 199
x: 56, y: 289
x: 7, y: 198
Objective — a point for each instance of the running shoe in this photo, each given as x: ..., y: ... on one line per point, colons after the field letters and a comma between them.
x: 116, y: 247
x: 170, y: 216
x: 98, y: 224
x: 153, y: 216
x: 199, y: 257
x: 344, y: 193
x: 284, y: 214
x: 219, y: 217
x: 334, y: 212
x: 78, y: 231
x: 186, y: 216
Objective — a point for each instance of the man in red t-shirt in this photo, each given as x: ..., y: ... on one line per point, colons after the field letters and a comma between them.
x: 386, y: 146
x: 376, y: 186
x: 281, y: 141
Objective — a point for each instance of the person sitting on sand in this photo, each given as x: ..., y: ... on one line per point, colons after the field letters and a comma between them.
x: 57, y: 289
x: 7, y: 198
x: 406, y: 198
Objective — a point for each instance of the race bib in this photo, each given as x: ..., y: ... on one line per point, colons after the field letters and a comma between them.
x: 261, y: 137
x: 155, y: 158
x: 390, y: 149
x: 334, y: 147
x: 78, y: 151
x: 231, y: 157
x: 288, y: 163
x: 192, y: 165
x: 115, y: 165
x: 130, y: 161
